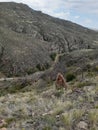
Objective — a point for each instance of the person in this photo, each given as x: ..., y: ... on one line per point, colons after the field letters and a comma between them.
x: 60, y: 81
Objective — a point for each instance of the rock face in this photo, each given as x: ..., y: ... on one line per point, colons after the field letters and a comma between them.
x: 28, y: 38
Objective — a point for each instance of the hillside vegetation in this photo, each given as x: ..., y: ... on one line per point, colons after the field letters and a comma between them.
x: 29, y: 39
x: 34, y: 48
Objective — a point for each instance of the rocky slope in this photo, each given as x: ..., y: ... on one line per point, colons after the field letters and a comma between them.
x: 29, y: 39
x: 45, y: 108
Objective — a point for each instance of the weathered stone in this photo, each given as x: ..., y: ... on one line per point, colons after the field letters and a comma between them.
x: 82, y: 125
x: 3, y: 129
x: 2, y: 122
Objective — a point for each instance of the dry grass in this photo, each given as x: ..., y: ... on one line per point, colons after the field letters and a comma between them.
x: 52, y: 109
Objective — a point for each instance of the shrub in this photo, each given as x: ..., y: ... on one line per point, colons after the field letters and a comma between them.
x: 52, y: 56
x: 70, y: 77
x: 31, y: 70
x: 47, y: 66
x: 96, y: 68
x: 47, y: 128
x: 17, y: 86
x: 42, y: 67
x: 82, y: 84
x: 38, y: 66
x: 59, y: 93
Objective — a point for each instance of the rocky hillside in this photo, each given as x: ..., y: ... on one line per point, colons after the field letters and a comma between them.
x: 30, y: 40
x: 34, y: 47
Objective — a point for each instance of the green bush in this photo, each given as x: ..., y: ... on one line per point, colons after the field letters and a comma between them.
x: 47, y: 128
x: 47, y: 66
x: 59, y: 93
x: 38, y: 66
x: 52, y: 56
x: 96, y: 68
x: 31, y: 70
x: 42, y: 67
x: 82, y: 84
x: 70, y: 77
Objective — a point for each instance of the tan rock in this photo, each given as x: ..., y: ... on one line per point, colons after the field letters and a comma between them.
x: 82, y: 125
x: 3, y: 129
x: 2, y: 122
